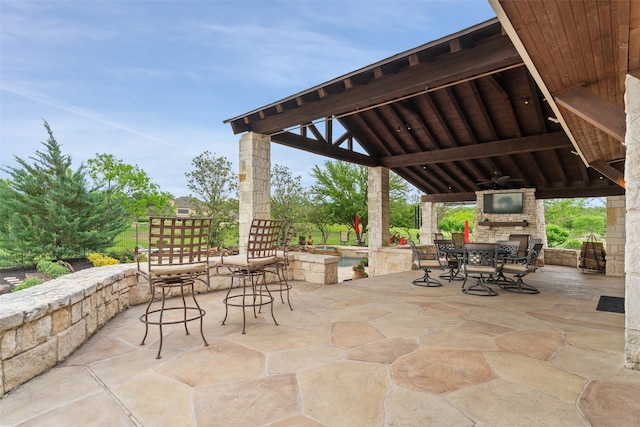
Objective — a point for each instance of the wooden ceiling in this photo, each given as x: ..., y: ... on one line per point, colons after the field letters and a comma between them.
x: 535, y: 96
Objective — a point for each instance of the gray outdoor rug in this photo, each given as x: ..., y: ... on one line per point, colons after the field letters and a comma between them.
x: 612, y: 304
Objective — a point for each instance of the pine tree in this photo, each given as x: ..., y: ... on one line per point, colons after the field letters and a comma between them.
x: 48, y: 213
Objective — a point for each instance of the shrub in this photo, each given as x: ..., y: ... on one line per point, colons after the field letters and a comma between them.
x: 98, y: 260
x: 27, y: 283
x: 125, y: 256
x: 53, y: 269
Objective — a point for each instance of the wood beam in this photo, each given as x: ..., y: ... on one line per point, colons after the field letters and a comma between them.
x: 300, y: 142
x: 478, y: 151
x: 595, y: 110
x: 610, y: 172
x: 448, y: 69
x: 449, y: 197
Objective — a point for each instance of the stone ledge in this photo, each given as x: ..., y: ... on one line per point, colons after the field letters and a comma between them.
x: 42, y: 325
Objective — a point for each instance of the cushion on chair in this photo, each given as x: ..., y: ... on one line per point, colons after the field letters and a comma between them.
x: 488, y: 269
x: 241, y: 261
x: 163, y: 270
x: 515, y: 268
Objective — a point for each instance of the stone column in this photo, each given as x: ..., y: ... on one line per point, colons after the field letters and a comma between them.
x: 616, y: 210
x: 378, y: 212
x: 632, y: 245
x: 254, y: 186
x: 429, y: 225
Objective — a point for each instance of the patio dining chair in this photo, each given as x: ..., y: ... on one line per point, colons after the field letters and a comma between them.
x: 426, y: 262
x: 508, y: 253
x: 448, y: 259
x: 480, y: 261
x: 520, y: 268
x: 458, y: 239
x: 251, y: 268
x: 176, y: 256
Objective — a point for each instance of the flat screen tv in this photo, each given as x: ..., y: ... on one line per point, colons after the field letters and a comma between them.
x: 503, y: 203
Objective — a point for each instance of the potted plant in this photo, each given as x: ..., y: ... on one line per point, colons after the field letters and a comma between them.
x: 358, y: 271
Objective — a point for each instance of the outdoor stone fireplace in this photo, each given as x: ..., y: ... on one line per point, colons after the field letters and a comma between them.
x: 491, y: 227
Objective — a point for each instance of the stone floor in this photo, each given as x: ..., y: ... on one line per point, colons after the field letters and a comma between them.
x: 368, y: 352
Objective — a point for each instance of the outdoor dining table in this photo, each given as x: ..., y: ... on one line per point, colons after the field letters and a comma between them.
x: 459, y: 254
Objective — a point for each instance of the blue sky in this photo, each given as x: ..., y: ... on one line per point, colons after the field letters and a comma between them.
x: 152, y: 81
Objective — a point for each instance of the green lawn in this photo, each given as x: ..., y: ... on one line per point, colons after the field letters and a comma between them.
x: 127, y: 239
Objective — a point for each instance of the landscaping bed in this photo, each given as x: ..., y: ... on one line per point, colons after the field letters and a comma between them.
x: 11, y: 276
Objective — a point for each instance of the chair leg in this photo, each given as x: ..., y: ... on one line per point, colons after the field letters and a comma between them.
x: 185, y: 309
x: 479, y: 288
x: 520, y: 287
x: 427, y: 281
x: 284, y: 284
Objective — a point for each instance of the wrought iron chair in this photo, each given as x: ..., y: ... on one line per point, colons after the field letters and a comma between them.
x: 520, y: 268
x: 524, y: 243
x: 480, y: 261
x: 426, y: 262
x: 176, y: 256
x: 508, y: 253
x: 252, y: 267
x: 448, y: 260
x: 279, y: 267
x: 458, y: 239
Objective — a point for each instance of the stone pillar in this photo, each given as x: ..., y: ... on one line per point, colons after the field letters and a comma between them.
x: 378, y: 212
x: 429, y: 225
x: 254, y: 186
x: 632, y: 245
x: 616, y: 235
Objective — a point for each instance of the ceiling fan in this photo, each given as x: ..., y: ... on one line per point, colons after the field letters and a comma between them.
x: 498, y: 180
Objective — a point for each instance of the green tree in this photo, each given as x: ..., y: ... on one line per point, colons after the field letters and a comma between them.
x: 320, y: 215
x: 48, y: 212
x: 454, y: 217
x: 129, y: 184
x: 556, y: 235
x: 562, y: 212
x: 588, y: 224
x: 289, y: 200
x: 215, y: 193
x: 343, y: 187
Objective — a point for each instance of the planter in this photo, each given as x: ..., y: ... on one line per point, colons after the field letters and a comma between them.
x: 358, y: 275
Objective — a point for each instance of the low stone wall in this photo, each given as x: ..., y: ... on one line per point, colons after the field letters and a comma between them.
x: 565, y: 257
x: 390, y: 259
x: 43, y: 325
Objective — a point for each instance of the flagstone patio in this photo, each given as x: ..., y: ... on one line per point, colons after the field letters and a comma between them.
x: 369, y: 352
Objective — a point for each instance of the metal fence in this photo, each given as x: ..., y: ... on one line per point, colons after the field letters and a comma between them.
x: 137, y: 234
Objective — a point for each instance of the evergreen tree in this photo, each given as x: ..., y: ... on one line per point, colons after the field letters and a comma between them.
x: 48, y: 212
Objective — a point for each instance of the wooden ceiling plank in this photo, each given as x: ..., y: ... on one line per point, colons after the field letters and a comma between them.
x: 435, y: 115
x: 484, y: 150
x: 557, y: 167
x: 480, y: 105
x: 595, y: 110
x: 409, y: 108
x: 511, y: 116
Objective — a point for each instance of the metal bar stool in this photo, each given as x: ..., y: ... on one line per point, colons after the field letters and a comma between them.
x: 177, y: 256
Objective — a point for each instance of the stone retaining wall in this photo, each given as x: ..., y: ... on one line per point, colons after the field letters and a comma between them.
x: 43, y: 325
x: 566, y: 257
